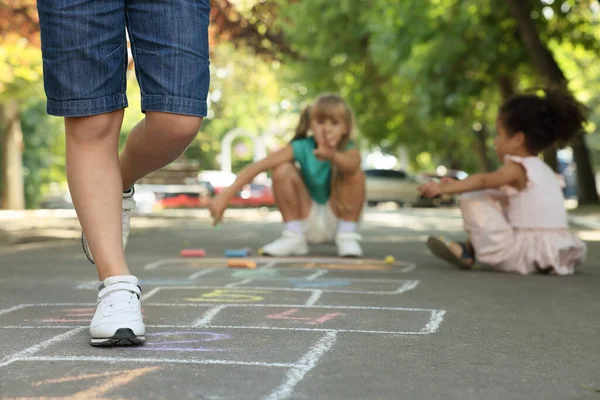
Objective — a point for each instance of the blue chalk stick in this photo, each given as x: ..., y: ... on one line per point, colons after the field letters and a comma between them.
x: 238, y: 253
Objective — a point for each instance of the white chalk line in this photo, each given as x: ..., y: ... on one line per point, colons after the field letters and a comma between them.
x: 15, y: 308
x: 309, y: 361
x: 424, y: 331
x: 409, y: 285
x: 151, y: 293
x: 270, y: 262
x: 268, y: 265
x: 159, y: 263
x: 208, y: 316
x: 317, y: 274
x: 156, y: 360
x: 408, y: 268
x: 200, y: 273
x: 195, y: 304
x: 435, y: 320
x: 40, y: 346
x: 238, y: 283
x: 314, y: 297
x: 267, y: 328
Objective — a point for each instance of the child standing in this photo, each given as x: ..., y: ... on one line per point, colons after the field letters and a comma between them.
x: 515, y: 217
x: 322, y: 200
x: 85, y: 57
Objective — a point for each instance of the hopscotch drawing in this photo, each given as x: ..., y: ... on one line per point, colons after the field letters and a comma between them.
x: 199, y: 312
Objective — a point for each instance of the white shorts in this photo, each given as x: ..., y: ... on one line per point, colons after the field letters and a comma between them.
x: 322, y: 224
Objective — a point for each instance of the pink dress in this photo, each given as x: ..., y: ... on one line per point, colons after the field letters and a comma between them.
x: 523, y: 231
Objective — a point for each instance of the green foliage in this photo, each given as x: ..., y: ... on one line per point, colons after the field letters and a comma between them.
x: 44, y: 155
x: 423, y: 73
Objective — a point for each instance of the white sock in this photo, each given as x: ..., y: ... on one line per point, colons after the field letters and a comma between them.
x: 296, y: 226
x: 346, y: 227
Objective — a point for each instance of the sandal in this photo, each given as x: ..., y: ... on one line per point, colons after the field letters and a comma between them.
x: 440, y: 247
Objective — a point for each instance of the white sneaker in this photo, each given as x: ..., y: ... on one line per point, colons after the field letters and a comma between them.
x: 348, y: 244
x: 289, y: 244
x: 118, y: 318
x: 128, y: 205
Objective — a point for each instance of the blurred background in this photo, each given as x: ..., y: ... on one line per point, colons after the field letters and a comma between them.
x: 425, y: 79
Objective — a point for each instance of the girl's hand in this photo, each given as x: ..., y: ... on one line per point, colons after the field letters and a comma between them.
x: 430, y: 189
x: 324, y: 152
x: 217, y: 207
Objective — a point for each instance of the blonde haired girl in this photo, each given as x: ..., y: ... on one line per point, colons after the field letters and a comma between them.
x: 322, y: 199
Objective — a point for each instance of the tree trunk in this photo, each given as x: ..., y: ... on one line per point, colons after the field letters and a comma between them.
x: 546, y: 65
x: 485, y: 164
x: 507, y: 86
x: 13, y: 188
x: 587, y: 194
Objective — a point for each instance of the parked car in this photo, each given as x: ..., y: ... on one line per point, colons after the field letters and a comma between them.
x: 181, y: 196
x: 254, y: 195
x: 389, y: 185
x: 447, y: 199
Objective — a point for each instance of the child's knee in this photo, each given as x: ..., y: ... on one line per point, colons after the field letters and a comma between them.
x: 284, y: 172
x: 175, y: 125
x: 357, y: 178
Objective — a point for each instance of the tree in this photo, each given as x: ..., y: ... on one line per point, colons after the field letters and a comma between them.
x: 544, y: 62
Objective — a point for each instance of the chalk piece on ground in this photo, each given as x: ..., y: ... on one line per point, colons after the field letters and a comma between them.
x: 260, y: 252
x: 238, y: 263
x: 238, y: 252
x: 192, y: 253
x: 390, y: 260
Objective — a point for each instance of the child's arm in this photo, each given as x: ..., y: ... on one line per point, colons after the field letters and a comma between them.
x: 509, y: 174
x: 219, y: 202
x: 348, y: 162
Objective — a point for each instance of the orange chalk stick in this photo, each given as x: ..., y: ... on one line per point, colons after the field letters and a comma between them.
x: 241, y: 263
x: 192, y: 253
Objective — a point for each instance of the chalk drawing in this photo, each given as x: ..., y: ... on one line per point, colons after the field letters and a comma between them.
x: 321, y: 283
x: 157, y: 360
x: 316, y: 274
x: 312, y: 300
x: 253, y: 273
x: 116, y: 380
x: 74, y: 312
x: 231, y: 296
x: 310, y: 320
x: 405, y: 287
x: 363, y: 264
x: 304, y: 365
x: 208, y: 316
x: 200, y: 273
x: 179, y: 338
x: 239, y: 283
x: 40, y: 346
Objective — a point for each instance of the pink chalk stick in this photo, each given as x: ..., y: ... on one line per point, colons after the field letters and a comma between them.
x: 192, y: 253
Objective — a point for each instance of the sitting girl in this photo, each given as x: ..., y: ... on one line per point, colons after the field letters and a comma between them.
x: 322, y: 200
x: 515, y: 217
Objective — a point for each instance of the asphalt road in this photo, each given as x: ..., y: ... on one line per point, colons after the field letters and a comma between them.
x: 317, y: 328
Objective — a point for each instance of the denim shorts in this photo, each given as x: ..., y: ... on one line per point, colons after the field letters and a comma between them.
x: 85, y: 55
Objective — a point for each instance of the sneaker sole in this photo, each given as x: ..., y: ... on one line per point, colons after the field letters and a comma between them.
x: 122, y: 337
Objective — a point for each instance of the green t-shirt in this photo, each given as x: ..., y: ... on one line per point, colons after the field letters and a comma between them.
x: 316, y: 173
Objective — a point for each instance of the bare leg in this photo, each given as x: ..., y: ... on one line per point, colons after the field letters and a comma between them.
x: 348, y: 198
x: 95, y: 186
x: 292, y: 197
x: 154, y: 142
